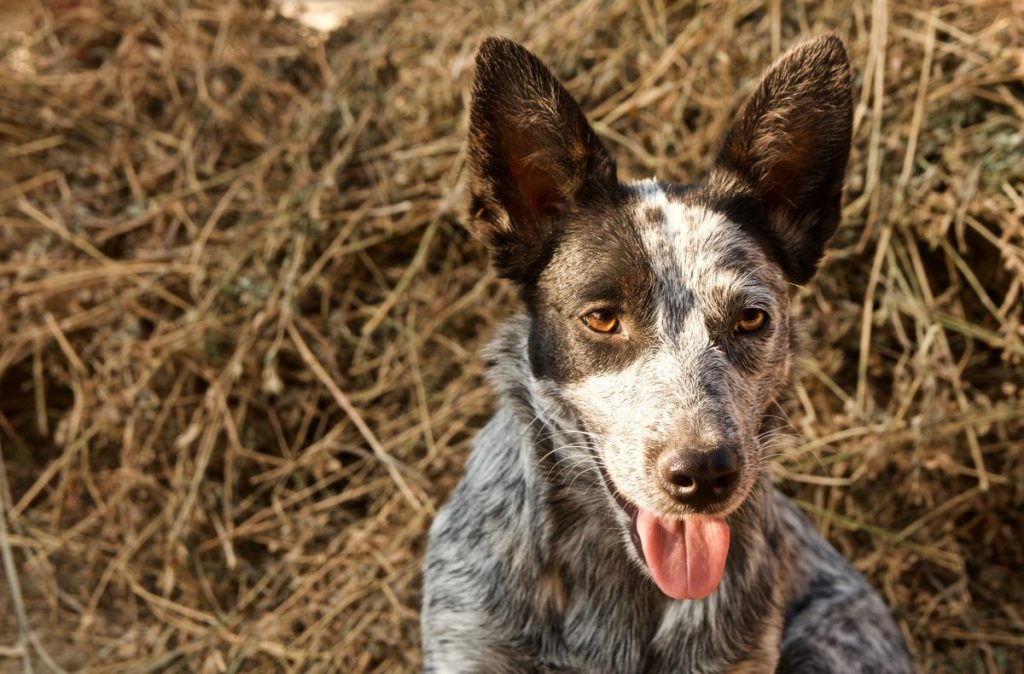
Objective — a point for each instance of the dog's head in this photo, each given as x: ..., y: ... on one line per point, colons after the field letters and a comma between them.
x: 659, y: 315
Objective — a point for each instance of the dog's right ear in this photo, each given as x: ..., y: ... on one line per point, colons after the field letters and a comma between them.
x: 532, y: 156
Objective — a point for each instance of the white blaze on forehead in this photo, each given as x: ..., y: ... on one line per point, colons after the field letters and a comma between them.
x: 693, y: 252
x: 688, y: 239
x: 683, y: 224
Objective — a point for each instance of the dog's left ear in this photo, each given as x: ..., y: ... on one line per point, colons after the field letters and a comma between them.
x: 533, y: 158
x: 788, y: 150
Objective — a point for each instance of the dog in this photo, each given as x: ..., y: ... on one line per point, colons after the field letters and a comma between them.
x: 615, y: 515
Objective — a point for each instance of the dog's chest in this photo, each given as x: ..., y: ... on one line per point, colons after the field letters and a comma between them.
x: 593, y: 612
x: 613, y: 632
x: 593, y: 617
x: 598, y: 614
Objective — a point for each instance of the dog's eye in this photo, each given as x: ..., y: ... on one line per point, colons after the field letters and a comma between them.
x: 751, y: 320
x: 603, y: 321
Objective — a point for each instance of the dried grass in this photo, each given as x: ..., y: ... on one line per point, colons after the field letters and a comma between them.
x: 239, y: 317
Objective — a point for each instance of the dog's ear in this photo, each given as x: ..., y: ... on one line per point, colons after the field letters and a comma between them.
x: 532, y: 158
x: 787, y: 152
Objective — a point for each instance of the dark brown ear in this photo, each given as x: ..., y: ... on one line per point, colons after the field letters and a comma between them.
x: 533, y: 158
x: 788, y: 150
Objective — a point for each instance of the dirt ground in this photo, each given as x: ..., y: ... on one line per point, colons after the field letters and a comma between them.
x: 240, y: 316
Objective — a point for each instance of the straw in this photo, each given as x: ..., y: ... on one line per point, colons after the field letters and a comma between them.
x: 240, y: 316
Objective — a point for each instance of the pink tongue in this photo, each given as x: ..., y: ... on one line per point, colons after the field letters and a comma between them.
x: 687, y: 556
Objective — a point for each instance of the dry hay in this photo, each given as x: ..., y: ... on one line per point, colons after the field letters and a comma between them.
x: 239, y: 317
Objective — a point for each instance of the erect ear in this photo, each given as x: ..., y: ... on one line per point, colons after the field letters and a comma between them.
x: 788, y: 149
x: 533, y: 158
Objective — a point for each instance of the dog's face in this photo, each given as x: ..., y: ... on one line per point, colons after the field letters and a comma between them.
x: 665, y: 331
x: 659, y: 314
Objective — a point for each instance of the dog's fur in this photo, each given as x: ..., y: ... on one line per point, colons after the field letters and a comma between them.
x: 532, y: 565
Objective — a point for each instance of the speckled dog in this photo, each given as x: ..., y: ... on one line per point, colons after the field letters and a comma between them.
x: 615, y: 515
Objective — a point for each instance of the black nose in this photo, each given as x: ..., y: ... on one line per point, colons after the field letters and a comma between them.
x: 698, y: 478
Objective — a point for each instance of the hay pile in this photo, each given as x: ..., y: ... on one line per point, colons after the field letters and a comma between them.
x: 239, y: 317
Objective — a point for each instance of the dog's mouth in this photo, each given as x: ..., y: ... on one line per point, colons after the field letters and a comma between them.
x: 685, y: 555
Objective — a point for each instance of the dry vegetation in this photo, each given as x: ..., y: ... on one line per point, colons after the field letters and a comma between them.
x: 239, y: 317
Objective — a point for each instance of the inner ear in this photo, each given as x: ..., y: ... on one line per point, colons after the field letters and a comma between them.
x: 537, y: 178
x: 784, y: 168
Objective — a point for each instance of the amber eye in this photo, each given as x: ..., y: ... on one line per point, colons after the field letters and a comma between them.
x: 602, y: 320
x: 751, y: 320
